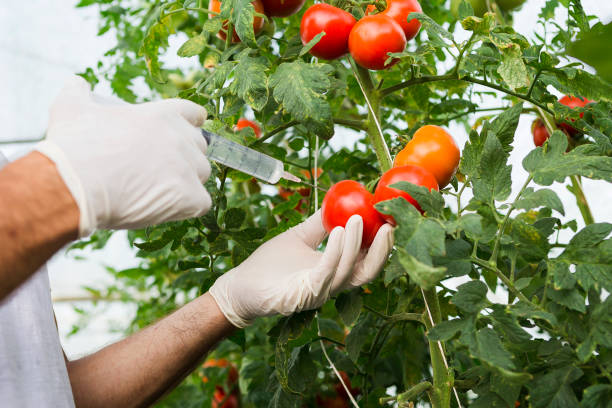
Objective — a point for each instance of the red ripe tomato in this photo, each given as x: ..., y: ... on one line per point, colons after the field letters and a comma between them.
x: 340, y: 389
x: 282, y: 8
x: 372, y: 38
x: 539, y: 132
x: 336, y: 24
x: 242, y: 123
x: 399, y: 10
x: 345, y: 199
x: 412, y: 174
x: 435, y: 150
x: 258, y: 22
x: 220, y: 401
x: 573, y: 103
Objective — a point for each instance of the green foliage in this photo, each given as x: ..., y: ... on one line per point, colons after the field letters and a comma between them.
x: 547, y: 344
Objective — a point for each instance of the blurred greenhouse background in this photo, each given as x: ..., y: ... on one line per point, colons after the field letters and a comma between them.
x: 42, y: 42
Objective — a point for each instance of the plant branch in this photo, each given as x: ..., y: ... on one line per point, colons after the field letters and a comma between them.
x: 356, y: 124
x: 275, y: 131
x: 507, y: 282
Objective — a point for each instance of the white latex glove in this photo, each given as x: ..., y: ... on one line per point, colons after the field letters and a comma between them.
x: 287, y: 274
x: 128, y: 166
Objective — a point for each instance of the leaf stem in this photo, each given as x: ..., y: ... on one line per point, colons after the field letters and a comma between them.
x: 507, y: 282
x: 408, y: 395
x: 501, y: 230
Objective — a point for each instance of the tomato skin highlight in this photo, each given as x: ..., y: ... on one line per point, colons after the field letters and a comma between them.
x: 410, y: 173
x: 347, y: 198
x: 282, y: 8
x: 434, y: 149
x: 539, y: 132
x: 573, y: 103
x: 258, y: 22
x: 399, y: 10
x: 372, y: 38
x: 335, y: 22
x: 243, y: 122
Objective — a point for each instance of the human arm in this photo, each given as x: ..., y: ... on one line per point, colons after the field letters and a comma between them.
x: 38, y: 217
x: 138, y: 370
x: 102, y: 165
x: 285, y: 275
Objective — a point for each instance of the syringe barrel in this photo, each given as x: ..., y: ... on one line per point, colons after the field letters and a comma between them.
x: 243, y: 159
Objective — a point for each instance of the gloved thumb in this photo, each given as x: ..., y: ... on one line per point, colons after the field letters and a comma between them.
x: 190, y: 111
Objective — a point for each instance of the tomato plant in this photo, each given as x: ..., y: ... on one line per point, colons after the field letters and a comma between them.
x: 496, y: 296
x: 282, y: 8
x: 258, y: 22
x: 539, y: 132
x: 573, y: 103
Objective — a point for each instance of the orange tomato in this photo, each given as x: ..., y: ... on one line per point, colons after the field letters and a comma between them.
x: 222, y: 363
x: 433, y: 149
x: 243, y: 122
x: 258, y: 22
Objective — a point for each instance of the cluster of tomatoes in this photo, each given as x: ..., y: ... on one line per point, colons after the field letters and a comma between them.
x: 369, y: 40
x: 539, y: 131
x: 429, y: 159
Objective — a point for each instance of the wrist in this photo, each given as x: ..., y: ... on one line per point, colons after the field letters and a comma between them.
x: 216, y: 314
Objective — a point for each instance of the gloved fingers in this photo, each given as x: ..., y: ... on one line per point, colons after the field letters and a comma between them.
x: 198, y: 204
x: 311, y: 231
x: 322, y: 275
x: 202, y: 167
x: 190, y: 111
x: 74, y: 93
x: 353, y: 232
x: 375, y: 259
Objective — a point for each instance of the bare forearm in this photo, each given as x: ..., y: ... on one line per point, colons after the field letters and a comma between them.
x: 37, y: 217
x: 138, y: 370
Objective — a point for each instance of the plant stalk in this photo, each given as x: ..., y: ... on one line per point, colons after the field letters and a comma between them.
x: 440, y: 393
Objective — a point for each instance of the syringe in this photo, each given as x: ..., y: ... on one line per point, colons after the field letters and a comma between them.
x: 246, y: 160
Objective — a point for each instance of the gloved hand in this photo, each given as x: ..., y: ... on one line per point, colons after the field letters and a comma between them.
x: 287, y: 274
x: 128, y: 166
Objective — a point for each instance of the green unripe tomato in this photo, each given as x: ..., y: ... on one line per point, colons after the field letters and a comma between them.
x: 507, y: 5
x: 479, y: 6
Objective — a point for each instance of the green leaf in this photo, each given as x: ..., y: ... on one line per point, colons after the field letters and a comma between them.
x: 250, y: 80
x: 242, y: 15
x: 561, y: 276
x: 592, y: 47
x: 193, y: 46
x: 577, y: 82
x: 302, y: 369
x: 431, y: 202
x: 506, y: 323
x: 600, y: 330
x: 423, y: 275
x: 526, y: 311
x: 494, y: 181
x: 532, y: 199
x: 349, y: 305
x: 311, y: 43
x: 447, y: 329
x: 435, y: 32
x: 505, y: 124
x: 471, y: 297
x: 569, y: 298
x: 488, y: 348
x: 597, y: 396
x: 553, y: 390
x: 300, y: 88
x: 234, y: 217
x: 512, y: 68
x: 358, y: 336
x: 420, y: 237
x: 553, y: 164
x: 156, y: 37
